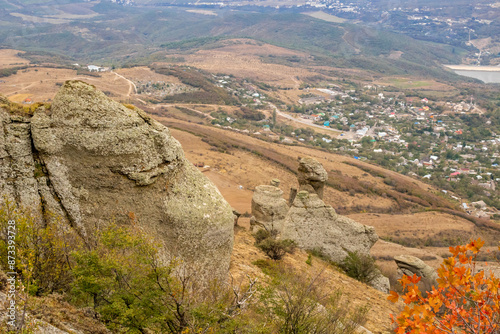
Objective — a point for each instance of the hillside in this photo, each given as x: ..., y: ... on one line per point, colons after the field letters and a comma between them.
x: 111, y: 34
x: 411, y: 217
x: 399, y: 213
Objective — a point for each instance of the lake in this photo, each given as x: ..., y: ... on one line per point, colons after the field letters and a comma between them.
x: 487, y: 74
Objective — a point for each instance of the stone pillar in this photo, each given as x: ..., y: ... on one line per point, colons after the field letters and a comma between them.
x: 312, y: 176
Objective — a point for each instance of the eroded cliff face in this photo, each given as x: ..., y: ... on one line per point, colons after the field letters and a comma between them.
x: 91, y: 159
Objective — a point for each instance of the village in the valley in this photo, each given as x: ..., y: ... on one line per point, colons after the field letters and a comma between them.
x: 447, y: 142
x: 428, y: 139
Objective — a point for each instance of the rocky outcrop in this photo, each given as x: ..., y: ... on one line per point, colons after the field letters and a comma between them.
x: 268, y: 208
x: 93, y: 160
x: 17, y: 162
x: 315, y: 225
x: 409, y: 265
x: 310, y: 222
x: 312, y: 176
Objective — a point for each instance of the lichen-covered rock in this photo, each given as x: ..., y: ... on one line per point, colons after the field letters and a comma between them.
x: 312, y: 176
x: 314, y: 225
x: 17, y: 164
x: 97, y: 161
x: 269, y: 208
x: 409, y: 265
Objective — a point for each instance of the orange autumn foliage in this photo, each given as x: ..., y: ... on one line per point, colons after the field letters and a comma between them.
x: 466, y: 300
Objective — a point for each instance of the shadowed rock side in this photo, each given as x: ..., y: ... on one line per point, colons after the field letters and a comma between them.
x: 17, y: 164
x: 98, y: 160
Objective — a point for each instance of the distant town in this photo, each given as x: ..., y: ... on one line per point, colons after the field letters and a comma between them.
x: 439, y: 142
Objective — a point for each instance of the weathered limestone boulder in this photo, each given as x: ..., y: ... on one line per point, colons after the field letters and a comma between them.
x: 269, y: 208
x: 94, y: 160
x: 409, y: 265
x: 315, y: 225
x: 312, y: 176
x: 17, y: 163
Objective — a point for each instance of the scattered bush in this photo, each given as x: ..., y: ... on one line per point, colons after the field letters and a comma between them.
x: 359, y: 266
x: 274, y: 248
x: 296, y: 303
x: 43, y: 250
x: 5, y: 72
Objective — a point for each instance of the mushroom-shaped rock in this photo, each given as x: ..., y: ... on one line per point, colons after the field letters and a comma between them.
x: 269, y: 208
x: 312, y: 176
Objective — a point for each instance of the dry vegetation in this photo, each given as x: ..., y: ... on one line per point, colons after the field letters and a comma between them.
x: 42, y: 83
x: 242, y: 58
x: 9, y: 58
x: 397, y: 206
x: 401, y: 209
x: 142, y: 73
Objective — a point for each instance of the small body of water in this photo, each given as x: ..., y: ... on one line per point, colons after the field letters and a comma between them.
x: 484, y: 76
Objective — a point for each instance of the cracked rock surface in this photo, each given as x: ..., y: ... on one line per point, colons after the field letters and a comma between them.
x: 93, y: 160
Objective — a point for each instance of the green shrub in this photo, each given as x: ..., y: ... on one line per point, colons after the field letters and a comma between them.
x: 274, y: 248
x: 261, y: 235
x: 42, y: 249
x: 360, y: 266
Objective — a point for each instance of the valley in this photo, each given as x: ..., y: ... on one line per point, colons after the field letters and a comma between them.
x: 368, y: 89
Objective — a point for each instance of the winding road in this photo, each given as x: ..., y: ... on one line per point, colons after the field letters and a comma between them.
x: 131, y: 84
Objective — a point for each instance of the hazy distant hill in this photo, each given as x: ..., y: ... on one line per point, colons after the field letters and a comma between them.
x: 112, y: 33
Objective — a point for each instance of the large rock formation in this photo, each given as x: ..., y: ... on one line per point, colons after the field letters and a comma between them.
x: 312, y: 176
x: 268, y: 208
x: 311, y: 223
x: 92, y: 159
x: 315, y: 225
